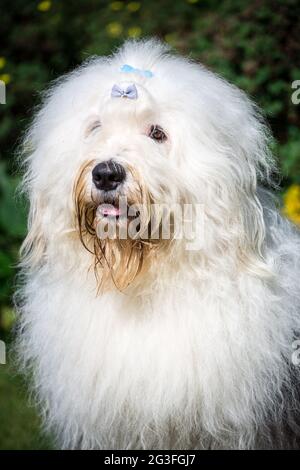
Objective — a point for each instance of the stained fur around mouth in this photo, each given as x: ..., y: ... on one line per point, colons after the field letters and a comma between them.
x: 116, y: 262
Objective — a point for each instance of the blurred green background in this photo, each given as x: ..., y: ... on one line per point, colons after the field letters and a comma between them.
x: 254, y: 44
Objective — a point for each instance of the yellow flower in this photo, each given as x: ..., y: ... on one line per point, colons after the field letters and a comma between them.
x: 133, y: 6
x: 5, y: 77
x: 114, y: 29
x: 134, y: 32
x: 292, y: 203
x: 8, y: 318
x: 44, y: 6
x: 2, y: 62
x: 116, y: 6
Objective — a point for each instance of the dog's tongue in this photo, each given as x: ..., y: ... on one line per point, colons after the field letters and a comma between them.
x: 110, y: 211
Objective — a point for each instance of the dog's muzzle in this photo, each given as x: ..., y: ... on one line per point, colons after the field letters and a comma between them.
x: 107, y: 176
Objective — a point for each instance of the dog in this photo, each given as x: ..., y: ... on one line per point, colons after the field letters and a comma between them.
x: 132, y: 339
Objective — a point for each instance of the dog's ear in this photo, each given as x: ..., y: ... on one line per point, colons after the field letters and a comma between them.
x: 253, y: 167
x: 252, y: 236
x: 34, y: 246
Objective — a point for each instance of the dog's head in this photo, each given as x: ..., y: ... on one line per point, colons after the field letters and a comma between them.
x: 123, y: 143
x: 126, y: 183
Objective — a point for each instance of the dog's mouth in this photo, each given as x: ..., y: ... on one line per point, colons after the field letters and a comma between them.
x: 117, y: 209
x: 109, y: 211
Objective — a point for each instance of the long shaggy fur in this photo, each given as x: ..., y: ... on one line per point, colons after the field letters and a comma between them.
x: 143, y: 344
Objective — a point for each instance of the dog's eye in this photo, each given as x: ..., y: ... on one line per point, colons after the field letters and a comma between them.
x: 93, y: 126
x: 157, y: 133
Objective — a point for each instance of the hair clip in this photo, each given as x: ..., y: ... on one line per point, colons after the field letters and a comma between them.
x: 129, y: 92
x: 129, y: 69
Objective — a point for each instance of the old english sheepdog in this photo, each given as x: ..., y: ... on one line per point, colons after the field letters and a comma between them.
x: 159, y: 306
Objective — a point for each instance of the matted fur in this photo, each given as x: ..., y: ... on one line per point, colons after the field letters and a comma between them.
x: 191, y: 349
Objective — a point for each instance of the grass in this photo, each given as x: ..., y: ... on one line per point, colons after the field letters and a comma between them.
x: 20, y: 427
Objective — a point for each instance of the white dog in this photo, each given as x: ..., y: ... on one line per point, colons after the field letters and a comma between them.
x: 144, y: 341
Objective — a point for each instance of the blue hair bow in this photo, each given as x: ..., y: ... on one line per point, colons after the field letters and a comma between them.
x: 129, y: 69
x: 130, y: 92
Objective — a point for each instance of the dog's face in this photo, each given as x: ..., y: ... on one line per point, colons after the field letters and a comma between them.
x: 115, y: 151
x: 127, y: 182
x: 126, y: 151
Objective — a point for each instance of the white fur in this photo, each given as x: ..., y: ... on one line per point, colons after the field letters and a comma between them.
x: 197, y: 352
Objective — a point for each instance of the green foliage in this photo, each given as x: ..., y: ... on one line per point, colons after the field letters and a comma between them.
x: 12, y: 230
x: 252, y: 44
x: 20, y: 427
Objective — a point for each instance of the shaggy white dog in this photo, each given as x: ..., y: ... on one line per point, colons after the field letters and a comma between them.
x: 144, y: 341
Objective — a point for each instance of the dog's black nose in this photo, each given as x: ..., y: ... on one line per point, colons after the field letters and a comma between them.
x: 108, y: 175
